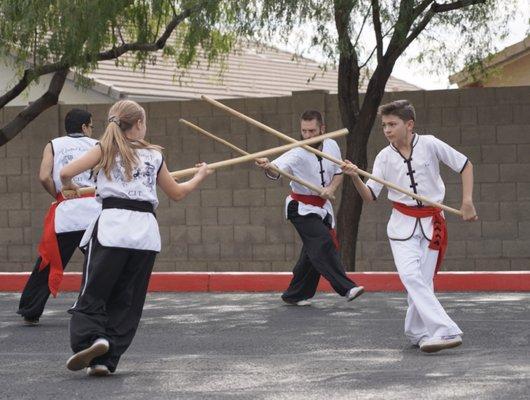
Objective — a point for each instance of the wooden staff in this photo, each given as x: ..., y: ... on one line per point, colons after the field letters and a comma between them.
x: 327, y: 156
x: 249, y: 157
x: 264, y: 153
x: 308, y: 185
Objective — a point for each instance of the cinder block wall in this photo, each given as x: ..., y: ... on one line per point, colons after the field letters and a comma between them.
x: 235, y: 221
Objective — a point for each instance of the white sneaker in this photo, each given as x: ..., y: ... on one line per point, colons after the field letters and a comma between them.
x: 437, y: 344
x: 83, y: 358
x: 355, y: 292
x: 98, y: 370
x: 303, y: 303
x: 300, y: 303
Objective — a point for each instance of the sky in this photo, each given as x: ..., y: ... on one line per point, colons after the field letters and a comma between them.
x: 518, y: 28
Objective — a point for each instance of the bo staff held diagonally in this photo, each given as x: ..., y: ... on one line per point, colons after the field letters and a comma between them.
x: 246, y: 158
x: 327, y: 156
x: 259, y: 154
x: 310, y: 186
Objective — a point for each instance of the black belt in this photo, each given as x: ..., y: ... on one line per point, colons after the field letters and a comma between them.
x: 128, y: 204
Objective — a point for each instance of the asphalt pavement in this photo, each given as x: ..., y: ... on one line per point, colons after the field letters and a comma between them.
x: 252, y: 346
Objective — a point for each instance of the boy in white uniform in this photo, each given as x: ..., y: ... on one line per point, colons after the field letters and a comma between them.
x: 417, y: 232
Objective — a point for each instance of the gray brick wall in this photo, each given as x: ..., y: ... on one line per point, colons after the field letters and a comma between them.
x: 235, y: 222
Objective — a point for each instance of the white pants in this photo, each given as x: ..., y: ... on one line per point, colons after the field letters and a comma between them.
x: 416, y: 263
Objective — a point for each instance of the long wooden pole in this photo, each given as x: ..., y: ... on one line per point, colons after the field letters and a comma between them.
x: 327, y: 156
x: 310, y: 186
x: 259, y: 154
x: 249, y: 157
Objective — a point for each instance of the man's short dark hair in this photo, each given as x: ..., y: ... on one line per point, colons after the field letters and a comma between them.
x: 310, y: 115
x: 402, y: 109
x: 75, y: 119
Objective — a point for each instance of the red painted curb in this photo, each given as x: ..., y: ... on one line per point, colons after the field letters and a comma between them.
x: 501, y: 281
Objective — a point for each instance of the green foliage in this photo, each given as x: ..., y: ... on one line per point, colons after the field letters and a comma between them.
x: 75, y: 32
x: 450, y: 41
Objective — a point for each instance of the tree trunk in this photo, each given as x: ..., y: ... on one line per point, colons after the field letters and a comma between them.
x: 349, y: 215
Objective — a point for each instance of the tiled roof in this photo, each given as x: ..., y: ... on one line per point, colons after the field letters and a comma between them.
x: 249, y: 72
x: 503, y: 57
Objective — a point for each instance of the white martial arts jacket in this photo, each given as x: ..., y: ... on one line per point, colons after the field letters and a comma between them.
x: 419, y: 173
x: 75, y: 214
x: 313, y: 169
x: 127, y: 228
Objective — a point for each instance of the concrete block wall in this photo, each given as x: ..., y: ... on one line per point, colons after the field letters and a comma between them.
x: 235, y: 221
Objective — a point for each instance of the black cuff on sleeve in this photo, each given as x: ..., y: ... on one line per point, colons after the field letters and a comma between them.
x: 274, y: 178
x: 162, y: 163
x: 462, y: 170
x: 373, y: 194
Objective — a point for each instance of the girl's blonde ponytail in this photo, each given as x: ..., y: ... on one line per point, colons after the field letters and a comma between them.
x: 122, y: 116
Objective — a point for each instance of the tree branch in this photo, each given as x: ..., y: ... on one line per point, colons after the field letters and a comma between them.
x: 51, y: 97
x: 28, y: 114
x: 115, y: 52
x: 401, y: 28
x: 29, y: 76
x: 420, y: 8
x: 348, y: 86
x: 361, y: 66
x: 440, y: 8
x: 342, y: 18
x: 362, y: 27
x: 376, y: 18
x: 436, y: 8
x: 369, y: 57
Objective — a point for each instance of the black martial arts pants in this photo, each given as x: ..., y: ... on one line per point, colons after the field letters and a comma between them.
x: 36, y: 292
x: 318, y: 257
x: 111, y: 300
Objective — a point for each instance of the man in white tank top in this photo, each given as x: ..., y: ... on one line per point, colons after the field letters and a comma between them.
x: 66, y: 220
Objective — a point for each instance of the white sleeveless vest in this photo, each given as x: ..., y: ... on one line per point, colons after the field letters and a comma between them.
x: 126, y: 228
x: 75, y: 214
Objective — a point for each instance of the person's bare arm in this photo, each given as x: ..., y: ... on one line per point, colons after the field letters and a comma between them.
x: 364, y: 191
x: 46, y: 171
x: 266, y: 165
x: 468, y: 208
x: 177, y: 191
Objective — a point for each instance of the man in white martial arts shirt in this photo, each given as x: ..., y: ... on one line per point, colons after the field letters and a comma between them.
x: 417, y: 233
x: 312, y: 215
x: 66, y: 220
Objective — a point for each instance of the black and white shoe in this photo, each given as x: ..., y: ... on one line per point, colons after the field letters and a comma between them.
x: 98, y: 370
x: 31, y: 321
x: 355, y: 292
x: 300, y: 303
x: 83, y: 358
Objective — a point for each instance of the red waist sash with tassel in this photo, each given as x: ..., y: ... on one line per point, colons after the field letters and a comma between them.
x: 49, y: 247
x: 439, y: 231
x: 316, y: 201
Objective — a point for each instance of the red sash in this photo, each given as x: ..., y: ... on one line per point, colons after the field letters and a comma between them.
x: 316, y: 201
x: 439, y: 231
x: 49, y: 247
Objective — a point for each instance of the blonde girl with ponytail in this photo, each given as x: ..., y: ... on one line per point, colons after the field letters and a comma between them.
x: 121, y: 245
